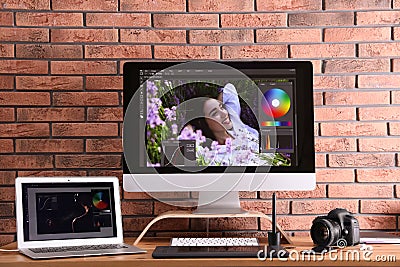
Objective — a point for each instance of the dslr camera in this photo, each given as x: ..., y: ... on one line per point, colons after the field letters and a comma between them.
x: 338, y: 228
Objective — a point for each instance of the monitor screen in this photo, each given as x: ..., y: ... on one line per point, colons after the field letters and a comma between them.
x: 225, y: 117
x: 62, y: 211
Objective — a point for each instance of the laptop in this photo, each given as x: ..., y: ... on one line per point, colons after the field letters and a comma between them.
x: 69, y: 217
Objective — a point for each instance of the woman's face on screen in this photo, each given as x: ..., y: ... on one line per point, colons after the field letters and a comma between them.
x: 217, y: 117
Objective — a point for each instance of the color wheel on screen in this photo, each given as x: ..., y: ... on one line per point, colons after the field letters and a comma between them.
x: 276, y: 103
x: 99, y: 202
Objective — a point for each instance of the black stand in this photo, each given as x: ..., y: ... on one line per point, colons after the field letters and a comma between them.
x: 274, y: 249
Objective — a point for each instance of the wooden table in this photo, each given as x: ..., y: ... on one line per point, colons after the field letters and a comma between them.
x: 139, y: 260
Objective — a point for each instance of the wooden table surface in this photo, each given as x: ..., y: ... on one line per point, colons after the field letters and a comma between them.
x: 138, y: 260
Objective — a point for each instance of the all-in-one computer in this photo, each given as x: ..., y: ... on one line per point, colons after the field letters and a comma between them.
x: 218, y: 128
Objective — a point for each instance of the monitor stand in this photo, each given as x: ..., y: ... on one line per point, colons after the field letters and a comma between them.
x: 211, y: 202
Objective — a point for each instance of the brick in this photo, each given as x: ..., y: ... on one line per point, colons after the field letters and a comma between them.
x: 378, y: 17
x: 49, y: 51
x: 24, y: 35
x: 317, y: 64
x: 136, y: 195
x: 6, y: 209
x: 379, y: 49
x: 85, y: 99
x: 171, y: 224
x: 221, y: 36
x: 161, y: 207
x: 318, y: 192
x: 323, y: 206
x: 136, y: 208
x: 118, y: 19
x: 357, y: 34
x: 84, y: 35
x: 322, y: 50
x: 6, y: 50
x: 6, y: 114
x: 6, y: 19
x: 380, y: 206
x: 87, y: 161
x: 360, y: 191
x: 53, y: 19
x: 6, y: 239
x: 50, y: 114
x: 396, y: 97
x: 353, y: 129
x: 361, y: 160
x: 396, y: 65
x: 289, y: 35
x: 185, y: 20
x: 49, y: 83
x: 265, y: 206
x: 7, y: 194
x: 226, y: 224
x: 104, y: 83
x: 253, y: 20
x: 26, y: 4
x: 356, y: 4
x: 254, y: 51
x: 331, y: 175
x: 369, y: 222
x: 6, y: 82
x: 265, y: 5
x: 379, y: 81
x: 318, y: 99
x: 357, y: 98
x: 320, y: 160
x: 334, y: 82
x: 335, y: 144
x: 396, y: 33
x: 8, y: 225
x: 334, y: 114
x: 220, y: 6
x: 42, y: 173
x: 48, y: 145
x: 149, y: 5
x: 290, y: 223
x: 24, y: 67
x: 20, y: 162
x: 186, y: 52
x: 85, y: 129
x: 321, y: 19
x: 379, y: 144
x: 136, y: 224
x: 24, y: 130
x: 83, y: 67
x: 105, y: 114
x: 378, y: 175
x: 394, y: 128
x: 152, y: 36
x: 6, y: 146
x: 79, y: 5
x: 104, y: 145
x: 23, y: 98
x: 7, y: 177
x: 120, y: 51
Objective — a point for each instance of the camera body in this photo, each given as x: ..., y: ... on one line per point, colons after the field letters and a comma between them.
x: 338, y: 228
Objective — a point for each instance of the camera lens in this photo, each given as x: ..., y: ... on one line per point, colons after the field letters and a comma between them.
x: 325, y: 232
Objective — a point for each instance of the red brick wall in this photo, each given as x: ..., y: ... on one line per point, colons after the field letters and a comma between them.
x: 61, y: 110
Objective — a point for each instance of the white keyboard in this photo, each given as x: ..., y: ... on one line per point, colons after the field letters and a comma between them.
x: 213, y: 241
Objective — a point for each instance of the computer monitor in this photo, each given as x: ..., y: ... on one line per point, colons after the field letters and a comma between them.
x: 218, y: 128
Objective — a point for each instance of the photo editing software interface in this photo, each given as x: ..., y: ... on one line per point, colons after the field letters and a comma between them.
x: 238, y: 121
x: 56, y: 211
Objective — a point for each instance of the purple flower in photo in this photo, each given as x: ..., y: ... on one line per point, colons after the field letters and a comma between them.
x: 174, y: 129
x: 151, y: 89
x: 170, y: 113
x: 228, y: 143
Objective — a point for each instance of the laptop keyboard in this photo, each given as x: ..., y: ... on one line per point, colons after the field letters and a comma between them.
x: 77, y: 248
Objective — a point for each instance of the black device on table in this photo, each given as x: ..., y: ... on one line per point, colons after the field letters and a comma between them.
x: 163, y: 252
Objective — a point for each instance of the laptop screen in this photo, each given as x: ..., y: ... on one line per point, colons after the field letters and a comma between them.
x: 61, y: 211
